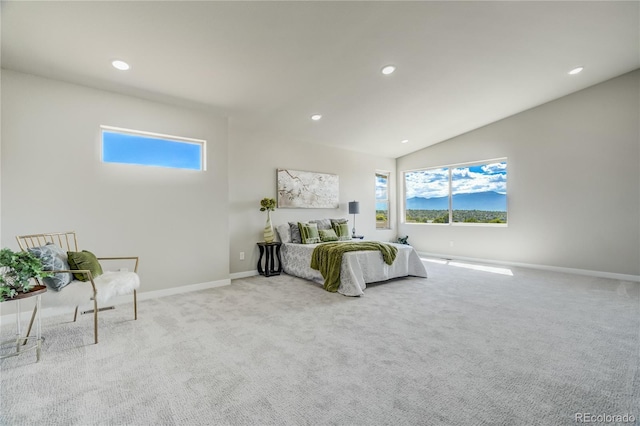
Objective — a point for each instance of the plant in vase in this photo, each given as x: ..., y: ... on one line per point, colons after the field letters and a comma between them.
x: 268, y: 205
x: 16, y: 271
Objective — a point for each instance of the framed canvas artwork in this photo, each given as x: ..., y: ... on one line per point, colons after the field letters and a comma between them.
x: 307, y: 190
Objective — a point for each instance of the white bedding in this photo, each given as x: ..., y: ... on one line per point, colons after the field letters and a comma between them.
x: 358, y: 267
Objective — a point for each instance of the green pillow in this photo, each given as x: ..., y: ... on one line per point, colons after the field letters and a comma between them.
x: 327, y: 235
x: 309, y: 233
x: 84, y: 260
x: 342, y: 231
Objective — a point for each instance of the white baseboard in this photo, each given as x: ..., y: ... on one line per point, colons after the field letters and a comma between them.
x: 245, y: 274
x: 55, y: 311
x: 175, y: 290
x: 599, y: 274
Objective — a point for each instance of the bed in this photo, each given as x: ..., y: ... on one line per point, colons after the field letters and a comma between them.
x: 358, y: 268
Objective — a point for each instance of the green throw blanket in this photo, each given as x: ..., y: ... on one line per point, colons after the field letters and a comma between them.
x: 327, y: 258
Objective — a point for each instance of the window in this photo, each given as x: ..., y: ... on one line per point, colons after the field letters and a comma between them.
x: 382, y: 200
x: 427, y: 196
x: 151, y: 149
x: 470, y: 193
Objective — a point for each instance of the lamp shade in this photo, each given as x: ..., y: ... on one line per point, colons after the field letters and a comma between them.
x: 354, y: 207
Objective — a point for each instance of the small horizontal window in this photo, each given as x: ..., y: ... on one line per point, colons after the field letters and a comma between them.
x: 150, y: 149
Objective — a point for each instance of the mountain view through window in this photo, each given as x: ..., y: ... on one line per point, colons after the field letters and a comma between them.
x: 458, y: 194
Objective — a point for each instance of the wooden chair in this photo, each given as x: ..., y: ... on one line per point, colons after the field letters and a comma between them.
x: 96, y: 289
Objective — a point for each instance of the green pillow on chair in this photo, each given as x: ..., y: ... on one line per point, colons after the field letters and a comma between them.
x: 84, y: 260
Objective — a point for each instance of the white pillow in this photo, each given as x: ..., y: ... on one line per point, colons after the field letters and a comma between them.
x: 284, y: 231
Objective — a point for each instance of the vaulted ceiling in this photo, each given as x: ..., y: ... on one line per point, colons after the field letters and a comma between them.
x: 269, y: 66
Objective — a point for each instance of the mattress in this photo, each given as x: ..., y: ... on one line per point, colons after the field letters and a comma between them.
x: 358, y: 268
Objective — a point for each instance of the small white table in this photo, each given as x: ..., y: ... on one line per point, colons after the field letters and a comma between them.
x: 26, y: 343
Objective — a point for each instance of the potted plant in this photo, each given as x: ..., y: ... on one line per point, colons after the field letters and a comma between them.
x: 16, y: 271
x: 268, y: 205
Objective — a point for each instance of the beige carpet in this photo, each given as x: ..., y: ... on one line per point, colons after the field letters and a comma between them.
x: 463, y: 347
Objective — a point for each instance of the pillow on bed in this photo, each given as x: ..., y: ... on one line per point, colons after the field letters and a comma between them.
x: 309, y: 233
x: 342, y: 231
x: 295, y: 233
x: 327, y: 235
x: 335, y: 221
x: 284, y: 231
x: 322, y: 223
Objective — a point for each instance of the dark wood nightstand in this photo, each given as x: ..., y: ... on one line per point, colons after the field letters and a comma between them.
x: 270, y: 258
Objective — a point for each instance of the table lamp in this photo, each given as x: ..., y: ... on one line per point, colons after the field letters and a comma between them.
x: 354, y: 209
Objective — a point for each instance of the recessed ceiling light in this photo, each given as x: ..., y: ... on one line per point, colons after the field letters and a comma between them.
x: 388, y: 69
x: 316, y: 117
x: 404, y: 141
x: 121, y: 65
x: 576, y: 70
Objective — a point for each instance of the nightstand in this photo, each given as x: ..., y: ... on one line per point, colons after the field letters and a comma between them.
x: 271, y: 252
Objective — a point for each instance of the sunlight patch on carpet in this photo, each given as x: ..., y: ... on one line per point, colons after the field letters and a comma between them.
x: 483, y: 268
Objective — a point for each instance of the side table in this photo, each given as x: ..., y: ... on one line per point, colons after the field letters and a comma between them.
x: 21, y: 340
x: 267, y: 250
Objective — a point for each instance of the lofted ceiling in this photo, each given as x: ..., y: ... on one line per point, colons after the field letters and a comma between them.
x: 269, y: 66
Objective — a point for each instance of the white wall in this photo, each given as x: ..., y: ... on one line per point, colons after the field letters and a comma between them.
x: 53, y: 180
x: 253, y: 162
x: 573, y: 183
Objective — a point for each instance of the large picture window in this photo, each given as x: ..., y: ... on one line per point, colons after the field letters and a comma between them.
x: 382, y: 200
x: 151, y: 149
x: 469, y: 193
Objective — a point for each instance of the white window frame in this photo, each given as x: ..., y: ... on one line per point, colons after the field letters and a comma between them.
x: 387, y: 175
x: 449, y: 167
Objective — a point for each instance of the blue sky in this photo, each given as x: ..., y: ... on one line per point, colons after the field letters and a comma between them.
x: 149, y: 151
x: 464, y: 179
x: 381, y: 188
x: 381, y: 192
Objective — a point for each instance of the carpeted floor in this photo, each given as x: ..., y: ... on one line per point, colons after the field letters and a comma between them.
x: 463, y: 347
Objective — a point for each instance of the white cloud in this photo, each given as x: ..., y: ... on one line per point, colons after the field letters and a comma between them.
x: 465, y: 181
x: 435, y: 183
x: 427, y: 183
x: 495, y: 168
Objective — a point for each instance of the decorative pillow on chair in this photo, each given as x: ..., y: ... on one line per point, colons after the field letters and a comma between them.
x: 342, y: 231
x: 309, y: 233
x: 84, y: 260
x: 295, y: 233
x: 327, y: 235
x: 53, y: 258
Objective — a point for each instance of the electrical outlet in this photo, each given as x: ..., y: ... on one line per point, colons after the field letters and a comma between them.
x: 450, y: 243
x: 241, y: 255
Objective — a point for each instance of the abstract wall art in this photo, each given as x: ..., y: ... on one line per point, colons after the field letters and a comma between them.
x: 307, y: 190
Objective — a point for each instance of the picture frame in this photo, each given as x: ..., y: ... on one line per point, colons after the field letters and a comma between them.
x: 299, y: 189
